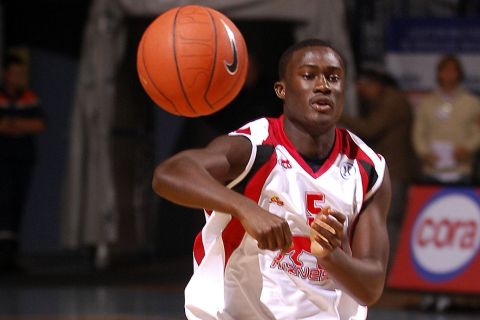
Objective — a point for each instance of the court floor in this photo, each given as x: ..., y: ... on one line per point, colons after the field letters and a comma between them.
x: 139, y: 303
x: 152, y: 293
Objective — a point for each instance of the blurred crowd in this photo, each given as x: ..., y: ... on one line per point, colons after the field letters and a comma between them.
x: 21, y: 119
x: 434, y: 142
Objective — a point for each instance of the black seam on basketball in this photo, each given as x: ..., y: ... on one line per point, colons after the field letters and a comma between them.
x: 153, y: 82
x: 214, y: 65
x: 176, y: 63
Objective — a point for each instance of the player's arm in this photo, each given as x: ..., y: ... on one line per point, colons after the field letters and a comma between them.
x: 363, y: 274
x: 196, y: 178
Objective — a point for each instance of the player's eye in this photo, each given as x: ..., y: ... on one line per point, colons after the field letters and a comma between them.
x: 333, y: 78
x: 308, y: 76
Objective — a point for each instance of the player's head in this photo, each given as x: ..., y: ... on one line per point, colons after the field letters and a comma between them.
x: 312, y: 83
x: 287, y: 54
x: 15, y: 74
x: 449, y: 71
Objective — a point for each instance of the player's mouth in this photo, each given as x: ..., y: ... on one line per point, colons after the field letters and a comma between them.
x: 321, y: 104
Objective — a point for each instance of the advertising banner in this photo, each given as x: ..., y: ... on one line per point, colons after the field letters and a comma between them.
x: 439, y: 244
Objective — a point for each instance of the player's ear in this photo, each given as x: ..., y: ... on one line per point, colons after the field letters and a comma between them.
x: 279, y: 88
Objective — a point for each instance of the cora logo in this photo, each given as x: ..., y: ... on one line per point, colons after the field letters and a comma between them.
x: 445, y: 237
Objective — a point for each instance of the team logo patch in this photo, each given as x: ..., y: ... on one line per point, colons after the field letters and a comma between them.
x: 347, y: 170
x: 285, y: 163
x: 277, y: 201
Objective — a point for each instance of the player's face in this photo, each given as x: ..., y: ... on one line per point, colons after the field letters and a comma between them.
x: 313, y: 89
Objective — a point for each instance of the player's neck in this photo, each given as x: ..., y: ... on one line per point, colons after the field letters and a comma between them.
x: 312, y: 146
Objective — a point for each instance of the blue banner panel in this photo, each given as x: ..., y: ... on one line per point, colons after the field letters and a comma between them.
x: 434, y: 35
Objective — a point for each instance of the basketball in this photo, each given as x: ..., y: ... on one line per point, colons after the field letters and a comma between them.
x: 192, y: 61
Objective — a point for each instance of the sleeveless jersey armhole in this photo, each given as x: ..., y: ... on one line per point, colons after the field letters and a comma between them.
x: 379, y: 167
x: 250, y: 163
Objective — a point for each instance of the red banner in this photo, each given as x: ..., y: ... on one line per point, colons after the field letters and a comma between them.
x: 439, y: 244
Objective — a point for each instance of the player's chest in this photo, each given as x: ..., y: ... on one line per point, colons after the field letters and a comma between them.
x: 294, y: 194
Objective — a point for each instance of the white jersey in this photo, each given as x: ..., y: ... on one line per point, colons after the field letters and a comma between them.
x: 235, y: 280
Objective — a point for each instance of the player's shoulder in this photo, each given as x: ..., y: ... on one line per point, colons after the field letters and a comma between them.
x: 257, y: 130
x: 355, y: 148
x: 371, y: 164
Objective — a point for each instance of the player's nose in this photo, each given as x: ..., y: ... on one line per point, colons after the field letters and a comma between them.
x: 322, y: 84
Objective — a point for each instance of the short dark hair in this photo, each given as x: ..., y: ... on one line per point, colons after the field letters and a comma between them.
x: 450, y: 58
x: 287, y: 54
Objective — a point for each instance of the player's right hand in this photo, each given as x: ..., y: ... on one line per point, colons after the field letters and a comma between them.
x: 270, y: 231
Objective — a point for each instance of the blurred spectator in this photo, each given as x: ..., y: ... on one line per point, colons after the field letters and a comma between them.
x: 20, y: 120
x: 446, y: 133
x: 385, y: 124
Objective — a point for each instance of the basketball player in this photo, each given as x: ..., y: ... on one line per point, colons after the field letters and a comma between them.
x: 295, y: 207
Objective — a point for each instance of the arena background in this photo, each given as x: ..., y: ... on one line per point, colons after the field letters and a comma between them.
x: 98, y: 169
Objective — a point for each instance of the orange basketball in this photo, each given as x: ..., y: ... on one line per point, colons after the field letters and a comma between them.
x: 192, y: 61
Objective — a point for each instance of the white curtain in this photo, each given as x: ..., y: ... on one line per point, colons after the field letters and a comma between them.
x: 90, y: 213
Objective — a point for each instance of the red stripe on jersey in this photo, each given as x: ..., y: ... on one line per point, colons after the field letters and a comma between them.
x: 244, y: 131
x: 349, y: 147
x: 232, y: 235
x: 352, y: 151
x: 234, y: 232
x: 198, y: 248
x: 277, y: 136
x: 364, y: 176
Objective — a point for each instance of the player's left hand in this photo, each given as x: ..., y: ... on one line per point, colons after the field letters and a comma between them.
x: 327, y: 232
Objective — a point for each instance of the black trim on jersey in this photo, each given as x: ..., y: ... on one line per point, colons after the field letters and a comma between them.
x: 314, y: 163
x: 264, y: 152
x: 372, y: 174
